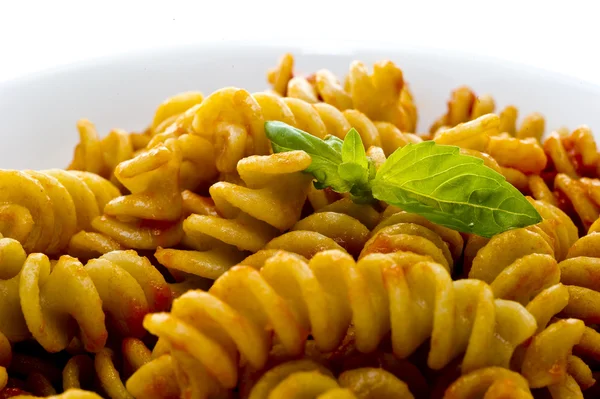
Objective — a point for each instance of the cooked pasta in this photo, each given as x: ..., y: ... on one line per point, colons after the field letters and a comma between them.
x: 43, y: 210
x: 198, y: 259
x: 289, y: 295
x: 120, y: 286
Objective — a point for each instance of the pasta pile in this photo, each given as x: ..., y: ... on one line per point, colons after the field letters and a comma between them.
x: 190, y: 261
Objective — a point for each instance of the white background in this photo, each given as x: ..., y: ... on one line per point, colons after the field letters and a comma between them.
x: 561, y: 36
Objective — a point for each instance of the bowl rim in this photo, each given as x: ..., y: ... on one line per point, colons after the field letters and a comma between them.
x: 306, y: 47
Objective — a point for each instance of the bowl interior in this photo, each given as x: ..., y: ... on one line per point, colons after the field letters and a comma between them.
x: 39, y: 112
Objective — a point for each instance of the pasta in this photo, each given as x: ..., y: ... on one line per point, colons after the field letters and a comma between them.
x: 119, y: 286
x: 293, y: 310
x: 194, y: 259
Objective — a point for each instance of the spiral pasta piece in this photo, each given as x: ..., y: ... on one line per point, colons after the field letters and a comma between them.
x: 532, y: 277
x: 239, y: 131
x: 198, y: 162
x: 5, y: 358
x: 149, y: 217
x: 579, y: 272
x: 383, y: 95
x: 302, y: 378
x: 525, y: 155
x: 170, y: 110
x: 402, y: 231
x: 100, y: 156
x: 464, y: 106
x: 110, y: 368
x: 474, y: 135
x: 379, y: 294
x: 345, y: 230
x: 577, y: 192
x: 272, y: 196
x: 45, y: 209
x: 279, y: 76
x: 489, y: 383
x: 574, y: 154
x: 70, y: 394
x: 37, y: 296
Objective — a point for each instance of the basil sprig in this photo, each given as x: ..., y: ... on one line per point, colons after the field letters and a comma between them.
x: 436, y: 181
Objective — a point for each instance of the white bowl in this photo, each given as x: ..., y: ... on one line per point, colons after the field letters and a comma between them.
x: 38, y: 113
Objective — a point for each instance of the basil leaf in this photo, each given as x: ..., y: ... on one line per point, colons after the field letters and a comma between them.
x: 325, y: 154
x: 335, y: 143
x: 353, y: 150
x: 353, y: 173
x: 451, y: 189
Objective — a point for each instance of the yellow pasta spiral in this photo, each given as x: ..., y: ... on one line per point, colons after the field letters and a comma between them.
x: 579, y: 271
x: 244, y: 217
x: 5, y: 358
x: 198, y: 164
x: 531, y: 276
x: 402, y: 231
x: 383, y: 95
x: 39, y: 298
x: 44, y: 209
x: 464, y: 106
x: 404, y: 294
x: 489, y: 383
x: 583, y: 195
x: 232, y: 120
x: 70, y: 394
x: 149, y: 216
x: 100, y: 156
x: 279, y: 76
x: 110, y: 368
x: 302, y: 378
x: 170, y: 110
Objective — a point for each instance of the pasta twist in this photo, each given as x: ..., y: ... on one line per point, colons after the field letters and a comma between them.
x: 239, y: 131
x: 5, y: 358
x: 170, y: 110
x: 489, y: 383
x: 403, y: 293
x: 464, y: 106
x: 574, y: 154
x: 303, y: 378
x: 154, y: 380
x: 531, y: 276
x: 149, y: 217
x: 279, y: 76
x: 582, y: 194
x: 402, y: 231
x: 43, y: 210
x: 341, y: 225
x: 37, y: 296
x: 383, y: 95
x: 322, y: 86
x: 70, y: 394
x: 578, y: 271
x: 220, y: 239
x: 100, y: 156
x: 198, y: 164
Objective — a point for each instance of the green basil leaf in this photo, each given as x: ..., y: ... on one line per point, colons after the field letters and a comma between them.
x: 353, y: 173
x: 325, y: 154
x: 334, y: 142
x: 353, y: 150
x: 451, y: 189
